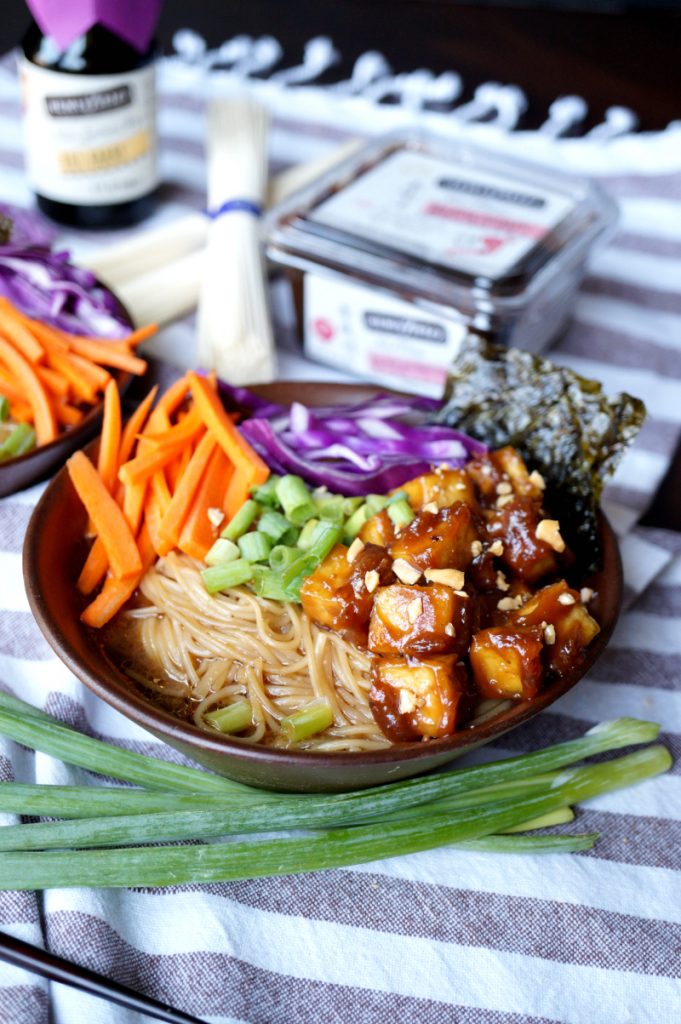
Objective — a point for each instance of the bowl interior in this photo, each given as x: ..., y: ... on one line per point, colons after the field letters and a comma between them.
x: 54, y: 552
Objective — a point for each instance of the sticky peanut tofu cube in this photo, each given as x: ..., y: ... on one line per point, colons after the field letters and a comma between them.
x: 506, y: 661
x: 411, y: 698
x: 516, y: 526
x: 571, y: 630
x: 379, y: 529
x: 336, y: 595
x: 444, y: 488
x: 511, y: 467
x: 439, y: 540
x: 413, y: 620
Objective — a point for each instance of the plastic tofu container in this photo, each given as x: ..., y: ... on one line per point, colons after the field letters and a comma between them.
x: 401, y: 250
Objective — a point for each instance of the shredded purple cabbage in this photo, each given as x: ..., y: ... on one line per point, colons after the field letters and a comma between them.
x: 367, y: 447
x: 44, y: 285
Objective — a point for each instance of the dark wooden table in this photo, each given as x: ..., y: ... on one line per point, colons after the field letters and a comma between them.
x: 611, y: 52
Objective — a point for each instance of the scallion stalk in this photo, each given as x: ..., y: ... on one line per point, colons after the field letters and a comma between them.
x: 519, y: 844
x: 242, y: 521
x: 233, y: 718
x: 255, y: 546
x: 314, y: 718
x: 231, y: 574
x: 222, y: 551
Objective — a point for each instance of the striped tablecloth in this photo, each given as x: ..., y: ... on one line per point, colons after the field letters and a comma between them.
x: 448, y: 935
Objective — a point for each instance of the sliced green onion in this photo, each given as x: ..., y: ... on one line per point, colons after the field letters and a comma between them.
x: 316, y: 717
x: 295, y: 499
x: 255, y: 546
x: 281, y: 557
x: 331, y: 507
x: 241, y: 521
x: 222, y: 551
x: 231, y: 574
x: 355, y: 523
x: 327, y: 535
x: 397, y: 496
x: 308, y: 534
x: 400, y: 512
x: 273, y: 524
x: 351, y: 505
x: 4, y: 409
x: 21, y: 440
x: 234, y: 718
x: 376, y: 503
x: 266, y: 494
x: 267, y: 583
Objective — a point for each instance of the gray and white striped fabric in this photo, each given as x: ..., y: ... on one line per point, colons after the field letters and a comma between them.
x: 448, y: 935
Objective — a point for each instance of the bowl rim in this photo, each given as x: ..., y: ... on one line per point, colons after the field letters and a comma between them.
x: 125, y: 698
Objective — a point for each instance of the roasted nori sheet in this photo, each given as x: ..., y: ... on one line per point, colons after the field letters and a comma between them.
x: 563, y: 425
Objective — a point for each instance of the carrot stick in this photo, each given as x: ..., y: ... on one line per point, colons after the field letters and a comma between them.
x: 94, y: 569
x: 18, y: 333
x: 83, y: 388
x: 110, y: 441
x: 143, y: 466
x: 153, y: 517
x: 141, y: 334
x: 179, y: 507
x: 49, y: 337
x: 184, y: 431
x: 238, y: 490
x: 67, y: 415
x: 106, y: 516
x: 161, y: 491
x: 169, y: 401
x: 107, y: 354
x: 175, y: 469
x: 135, y: 425
x: 38, y: 399
x: 198, y: 533
x: 235, y: 446
x: 21, y: 411
x: 10, y: 390
x: 135, y: 337
x: 53, y: 381
x: 97, y: 375
x: 115, y: 593
x: 133, y: 504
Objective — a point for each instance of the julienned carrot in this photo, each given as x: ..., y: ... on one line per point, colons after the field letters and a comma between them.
x: 199, y: 533
x: 176, y: 468
x: 18, y: 334
x: 107, y: 517
x: 83, y: 388
x: 161, y: 491
x: 115, y: 592
x: 179, y: 507
x: 184, y: 431
x: 49, y: 337
x: 10, y: 390
x: 141, y: 468
x: 34, y: 390
x: 97, y: 375
x: 107, y: 354
x: 153, y: 516
x: 110, y: 441
x: 238, y: 490
x: 53, y: 381
x: 21, y: 412
x: 234, y: 445
x: 135, y: 337
x: 169, y: 402
x: 135, y: 425
x: 67, y: 415
x: 133, y: 504
x: 94, y: 569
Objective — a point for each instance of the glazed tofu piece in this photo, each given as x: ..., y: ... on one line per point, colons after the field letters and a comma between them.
x: 413, y: 620
x: 379, y: 529
x: 340, y: 592
x: 412, y: 699
x: 568, y: 626
x: 511, y: 466
x: 442, y: 488
x: 525, y: 553
x: 506, y: 661
x: 439, y: 540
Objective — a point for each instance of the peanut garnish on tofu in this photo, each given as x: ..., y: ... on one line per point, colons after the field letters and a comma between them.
x: 453, y: 578
x: 355, y: 549
x: 405, y: 571
x: 548, y: 530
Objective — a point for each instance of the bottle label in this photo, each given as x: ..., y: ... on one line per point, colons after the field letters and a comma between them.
x: 385, y: 339
x: 90, y: 139
x: 462, y: 218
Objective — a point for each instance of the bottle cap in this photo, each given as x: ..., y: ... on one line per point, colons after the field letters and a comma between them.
x: 133, y: 21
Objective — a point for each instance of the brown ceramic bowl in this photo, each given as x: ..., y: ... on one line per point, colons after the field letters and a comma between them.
x: 16, y: 474
x: 53, y: 556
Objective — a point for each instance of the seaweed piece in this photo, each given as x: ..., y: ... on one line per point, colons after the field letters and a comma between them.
x: 562, y: 424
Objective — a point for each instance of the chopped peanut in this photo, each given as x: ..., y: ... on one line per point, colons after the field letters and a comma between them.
x: 497, y: 548
x: 449, y: 629
x: 405, y: 572
x: 504, y: 487
x: 476, y: 548
x: 371, y: 580
x: 432, y: 506
x: 585, y: 595
x: 550, y: 634
x: 414, y: 609
x: 453, y: 578
x: 548, y: 530
x: 566, y: 599
x: 537, y: 479
x: 215, y: 516
x: 502, y: 582
x: 355, y: 549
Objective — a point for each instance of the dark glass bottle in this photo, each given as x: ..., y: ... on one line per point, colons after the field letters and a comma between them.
x: 91, y: 141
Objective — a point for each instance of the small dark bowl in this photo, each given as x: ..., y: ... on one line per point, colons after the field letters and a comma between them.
x: 28, y: 469
x: 53, y: 556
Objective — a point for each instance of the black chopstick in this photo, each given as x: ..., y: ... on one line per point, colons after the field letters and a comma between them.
x: 40, y: 961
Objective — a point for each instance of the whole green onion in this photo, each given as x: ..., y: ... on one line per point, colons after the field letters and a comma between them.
x: 242, y: 521
x: 233, y: 718
x: 222, y: 551
x: 255, y: 546
x: 231, y: 574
